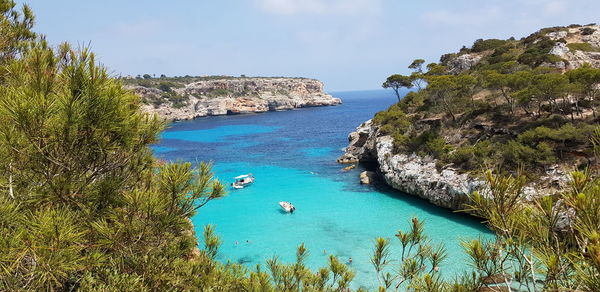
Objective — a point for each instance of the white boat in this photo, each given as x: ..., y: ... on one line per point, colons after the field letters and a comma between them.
x: 242, y: 181
x: 287, y: 206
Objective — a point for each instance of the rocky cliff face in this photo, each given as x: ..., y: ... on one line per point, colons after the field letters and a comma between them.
x: 232, y: 96
x: 566, y: 48
x: 421, y: 176
x: 575, y: 58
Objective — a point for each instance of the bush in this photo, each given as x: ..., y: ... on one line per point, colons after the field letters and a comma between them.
x: 412, y: 100
x: 585, y: 47
x: 219, y: 92
x: 481, y: 45
x: 538, y: 53
x: 567, y: 133
x: 164, y: 86
x: 392, y: 121
x: 444, y: 59
x: 178, y: 101
x: 472, y: 157
x: 437, y: 147
x: 145, y: 83
x: 427, y: 143
x: 516, y: 154
x: 587, y: 31
x: 504, y: 54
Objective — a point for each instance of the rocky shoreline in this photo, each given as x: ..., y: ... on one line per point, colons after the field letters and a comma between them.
x: 229, y: 96
x: 420, y: 176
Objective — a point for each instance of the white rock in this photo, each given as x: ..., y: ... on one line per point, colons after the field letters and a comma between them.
x: 244, y: 95
x: 419, y: 176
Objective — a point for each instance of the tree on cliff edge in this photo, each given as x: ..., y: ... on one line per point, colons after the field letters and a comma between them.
x: 397, y: 82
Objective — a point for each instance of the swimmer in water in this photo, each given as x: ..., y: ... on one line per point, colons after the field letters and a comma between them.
x: 350, y: 260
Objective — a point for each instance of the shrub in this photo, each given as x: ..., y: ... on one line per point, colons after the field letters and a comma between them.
x: 472, y: 157
x: 444, y: 59
x: 164, y: 86
x: 567, y: 133
x: 585, y: 47
x: 437, y: 147
x: 393, y: 120
x: 481, y: 45
x: 144, y: 83
x: 219, y: 92
x: 587, y: 31
x: 504, y: 54
x: 412, y: 100
x: 538, y: 53
x: 516, y: 154
x: 428, y: 142
x: 178, y: 101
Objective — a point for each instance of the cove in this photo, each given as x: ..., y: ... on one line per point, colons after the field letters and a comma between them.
x: 292, y: 155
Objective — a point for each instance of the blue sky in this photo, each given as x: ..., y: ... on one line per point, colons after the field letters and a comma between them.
x: 348, y: 44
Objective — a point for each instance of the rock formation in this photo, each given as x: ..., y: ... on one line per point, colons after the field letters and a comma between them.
x: 367, y: 177
x: 571, y: 57
x: 231, y: 96
x: 446, y: 184
x: 421, y: 176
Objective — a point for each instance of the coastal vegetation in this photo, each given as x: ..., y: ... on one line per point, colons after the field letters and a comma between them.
x: 515, y: 106
x: 170, y: 88
x: 85, y: 206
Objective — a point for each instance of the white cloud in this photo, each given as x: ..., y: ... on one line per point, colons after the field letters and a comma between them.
x: 343, y: 7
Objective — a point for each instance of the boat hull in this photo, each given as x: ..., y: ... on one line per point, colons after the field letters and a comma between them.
x: 287, y: 206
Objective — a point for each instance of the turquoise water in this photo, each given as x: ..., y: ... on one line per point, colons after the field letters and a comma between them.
x: 292, y: 155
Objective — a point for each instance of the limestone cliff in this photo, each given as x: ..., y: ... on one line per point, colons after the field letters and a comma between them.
x: 421, y: 176
x: 183, y: 99
x: 428, y: 144
x: 573, y: 46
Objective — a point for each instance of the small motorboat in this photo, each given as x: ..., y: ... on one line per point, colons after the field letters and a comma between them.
x: 287, y: 206
x: 242, y: 181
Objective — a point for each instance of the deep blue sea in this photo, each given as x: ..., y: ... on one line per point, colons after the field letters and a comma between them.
x: 292, y: 155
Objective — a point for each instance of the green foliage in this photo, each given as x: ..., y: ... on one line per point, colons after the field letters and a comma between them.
x: 397, y: 82
x: 393, y: 120
x: 475, y: 156
x: 506, y: 53
x: 505, y: 95
x: 220, y: 92
x: 516, y: 154
x: 15, y: 32
x: 427, y: 143
x: 538, y: 53
x: 535, y: 248
x: 481, y: 45
x: 84, y: 205
x: 418, y: 263
x: 587, y: 31
x: 417, y: 65
x: 177, y: 100
x: 585, y: 47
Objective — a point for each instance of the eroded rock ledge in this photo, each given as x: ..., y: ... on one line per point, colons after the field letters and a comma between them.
x: 419, y: 176
x: 233, y: 96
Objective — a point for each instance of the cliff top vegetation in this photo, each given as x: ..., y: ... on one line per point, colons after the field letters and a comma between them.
x: 84, y: 206
x: 506, y: 104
